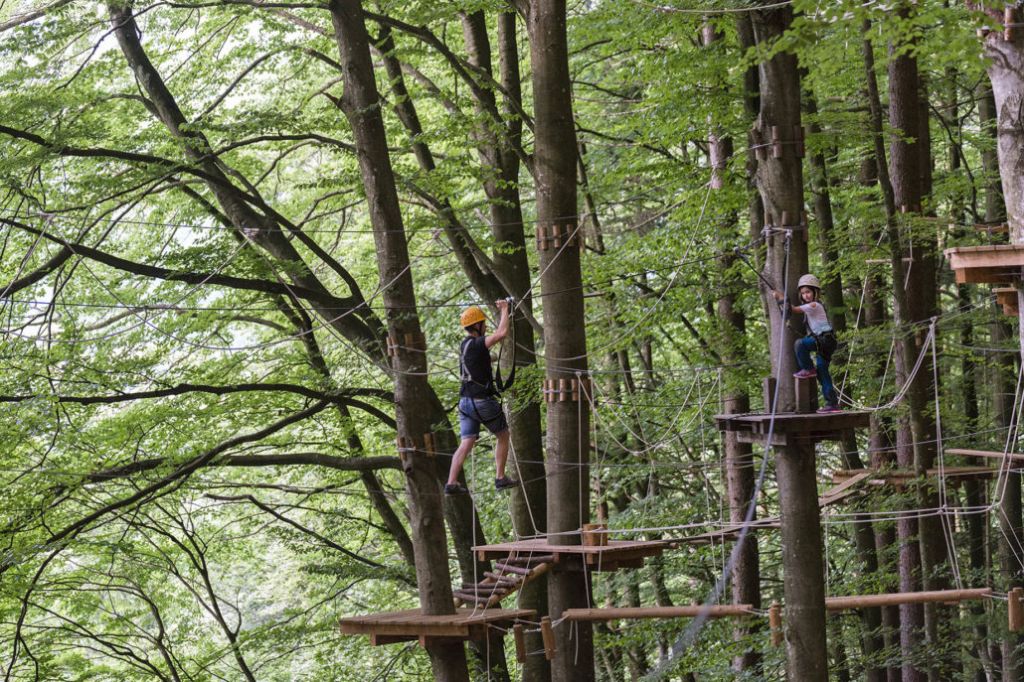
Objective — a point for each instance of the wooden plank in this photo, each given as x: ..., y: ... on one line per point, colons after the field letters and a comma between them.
x: 380, y: 640
x: 632, y: 613
x: 848, y: 483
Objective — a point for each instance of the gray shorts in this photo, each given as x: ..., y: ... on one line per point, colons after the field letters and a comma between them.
x: 476, y: 411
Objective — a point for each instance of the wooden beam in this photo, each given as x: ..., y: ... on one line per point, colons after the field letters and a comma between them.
x: 989, y: 454
x: 639, y: 612
x: 860, y: 601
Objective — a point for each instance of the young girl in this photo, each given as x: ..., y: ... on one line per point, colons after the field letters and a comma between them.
x: 820, y: 338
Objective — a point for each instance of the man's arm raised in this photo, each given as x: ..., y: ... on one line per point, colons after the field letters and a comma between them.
x: 502, y: 331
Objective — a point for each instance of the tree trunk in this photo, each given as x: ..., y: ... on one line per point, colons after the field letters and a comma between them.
x: 739, y: 460
x: 565, y: 346
x: 881, y: 445
x: 412, y: 392
x: 780, y: 181
x: 509, y: 259
x: 920, y: 539
x: 1006, y: 107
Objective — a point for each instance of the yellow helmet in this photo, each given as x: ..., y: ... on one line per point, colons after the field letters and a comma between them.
x: 471, y: 316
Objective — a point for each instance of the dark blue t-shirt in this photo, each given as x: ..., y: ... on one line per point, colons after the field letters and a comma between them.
x: 475, y: 368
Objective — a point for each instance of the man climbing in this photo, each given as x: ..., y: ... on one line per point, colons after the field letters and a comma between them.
x: 478, y: 403
x: 819, y: 338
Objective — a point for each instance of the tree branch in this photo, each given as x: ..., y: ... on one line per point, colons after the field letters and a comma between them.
x: 153, y: 271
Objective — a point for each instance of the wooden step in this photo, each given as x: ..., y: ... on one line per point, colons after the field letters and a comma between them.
x: 503, y: 580
x: 484, y: 590
x: 484, y: 598
x: 506, y: 568
x: 529, y: 559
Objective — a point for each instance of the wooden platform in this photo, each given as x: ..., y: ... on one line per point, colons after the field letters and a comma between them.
x: 1008, y: 299
x: 993, y: 264
x: 792, y: 426
x: 611, y: 557
x: 411, y: 625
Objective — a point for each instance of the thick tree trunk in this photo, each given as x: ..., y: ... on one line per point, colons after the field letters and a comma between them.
x: 1006, y: 106
x: 509, y: 259
x: 920, y: 540
x: 881, y: 445
x: 739, y: 460
x: 360, y: 104
x: 568, y: 490
x: 780, y: 181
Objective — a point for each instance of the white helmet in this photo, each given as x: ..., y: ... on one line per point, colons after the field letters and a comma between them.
x: 809, y: 281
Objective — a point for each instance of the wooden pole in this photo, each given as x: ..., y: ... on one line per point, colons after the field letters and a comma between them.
x: 1015, y: 609
x: 775, y: 623
x: 548, y: 633
x: 689, y: 611
x: 859, y: 601
x: 517, y: 633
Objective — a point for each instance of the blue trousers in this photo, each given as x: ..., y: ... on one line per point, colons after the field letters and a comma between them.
x: 803, y: 348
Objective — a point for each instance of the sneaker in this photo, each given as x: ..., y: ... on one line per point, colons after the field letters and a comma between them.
x: 505, y: 482
x: 806, y: 374
x: 455, y: 489
x: 829, y: 409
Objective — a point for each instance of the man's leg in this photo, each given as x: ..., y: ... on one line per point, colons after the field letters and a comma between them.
x: 501, y: 453
x: 465, y: 447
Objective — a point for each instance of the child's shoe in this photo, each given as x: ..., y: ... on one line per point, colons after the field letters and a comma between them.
x: 806, y: 374
x: 829, y: 409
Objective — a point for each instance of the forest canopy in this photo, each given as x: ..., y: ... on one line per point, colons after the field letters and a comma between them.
x: 236, y: 237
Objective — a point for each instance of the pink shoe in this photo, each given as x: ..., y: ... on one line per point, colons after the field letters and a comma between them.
x: 829, y: 409
x: 806, y: 374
